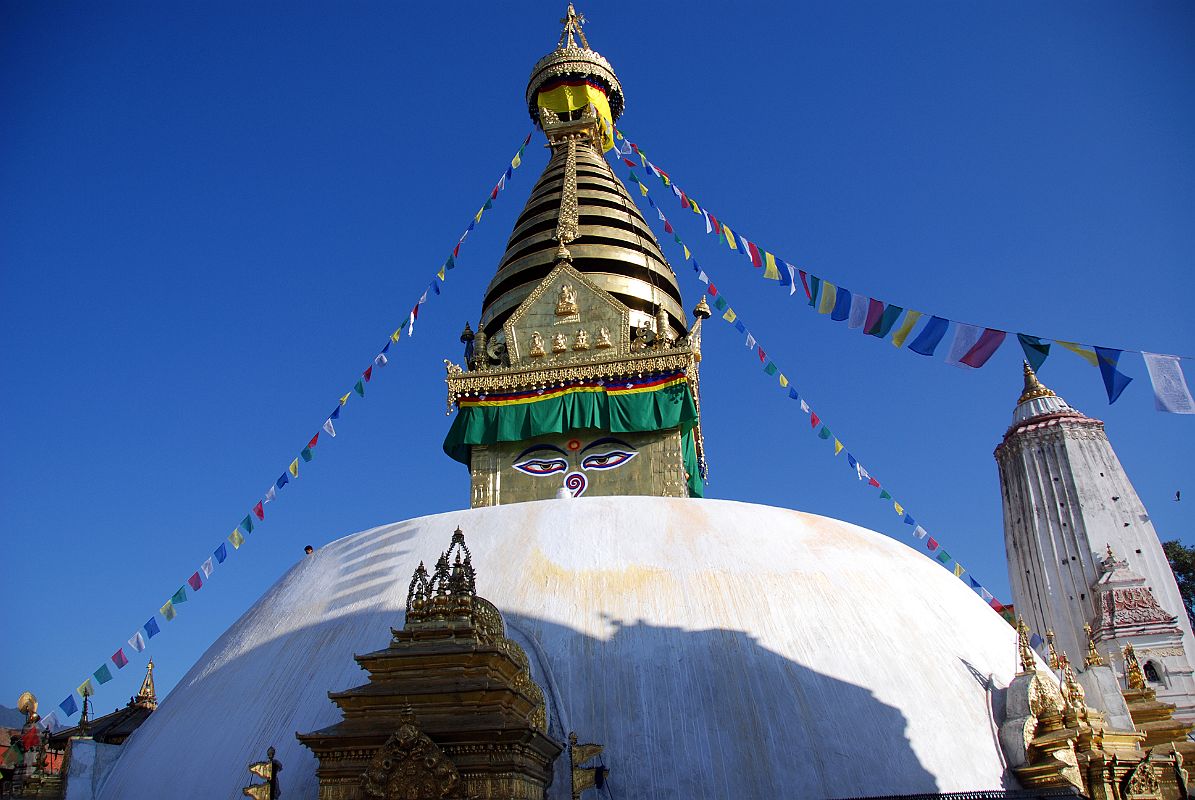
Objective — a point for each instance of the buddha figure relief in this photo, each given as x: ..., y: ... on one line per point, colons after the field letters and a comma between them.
x: 537, y: 344
x: 581, y: 340
x: 559, y: 345
x: 603, y: 338
x: 567, y: 303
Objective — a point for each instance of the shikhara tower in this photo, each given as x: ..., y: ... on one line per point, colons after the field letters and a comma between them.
x: 582, y: 376
x: 1082, y: 549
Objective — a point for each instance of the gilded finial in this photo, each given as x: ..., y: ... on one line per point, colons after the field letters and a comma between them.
x: 1023, y: 648
x: 1093, y: 657
x: 702, y: 309
x: 1072, y: 691
x: 572, y: 22
x: 1033, y: 387
x: 1133, y: 675
x: 147, y: 695
x: 1052, y: 654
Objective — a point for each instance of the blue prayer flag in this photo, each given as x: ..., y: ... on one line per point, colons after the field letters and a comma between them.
x: 842, y: 305
x: 974, y: 583
x: 1115, y: 381
x: 472, y: 225
x: 1035, y: 350
x: 850, y: 460
x: 909, y: 520
x: 221, y: 553
x: 815, y: 285
x: 792, y: 393
x: 151, y: 628
x: 1035, y: 641
x: 334, y: 415
x: 740, y: 327
x: 435, y: 287
x: 69, y: 706
x: 283, y: 479
x: 931, y: 335
x: 509, y: 171
x: 651, y: 202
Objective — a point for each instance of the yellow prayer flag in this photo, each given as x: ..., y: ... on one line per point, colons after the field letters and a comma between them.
x: 440, y: 274
x: 393, y: 338
x: 770, y: 270
x: 783, y: 380
x: 236, y: 539
x: 294, y: 468
x: 900, y: 510
x: 828, y: 298
x: 958, y: 570
x: 729, y: 236
x: 618, y: 134
x: 696, y: 209
x: 687, y: 253
x: 168, y: 612
x: 86, y: 689
x: 643, y: 158
x: 478, y: 217
x: 905, y: 328
x: 345, y: 399
x: 730, y: 316
x: 837, y: 447
x: 643, y: 190
x: 1081, y: 351
x: 518, y: 159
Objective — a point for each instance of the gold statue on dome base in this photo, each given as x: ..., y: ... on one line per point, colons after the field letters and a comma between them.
x: 268, y: 771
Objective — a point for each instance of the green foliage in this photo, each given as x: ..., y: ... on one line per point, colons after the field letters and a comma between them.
x: 1182, y: 561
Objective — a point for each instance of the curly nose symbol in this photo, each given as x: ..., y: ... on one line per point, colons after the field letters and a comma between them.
x: 575, y: 482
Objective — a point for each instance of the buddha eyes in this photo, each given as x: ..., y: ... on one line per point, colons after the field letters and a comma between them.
x: 607, y: 460
x: 541, y: 466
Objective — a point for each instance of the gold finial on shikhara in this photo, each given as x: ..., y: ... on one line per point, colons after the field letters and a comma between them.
x: 1033, y: 387
x: 1133, y: 675
x: 1023, y: 648
x: 268, y: 771
x: 1072, y: 691
x: 584, y: 778
x: 702, y: 309
x: 1054, y: 661
x: 572, y: 22
x: 1093, y: 657
x: 147, y: 695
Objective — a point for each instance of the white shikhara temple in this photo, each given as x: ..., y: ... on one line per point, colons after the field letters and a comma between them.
x: 713, y: 649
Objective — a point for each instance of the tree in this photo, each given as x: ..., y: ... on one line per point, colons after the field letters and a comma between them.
x: 1182, y: 561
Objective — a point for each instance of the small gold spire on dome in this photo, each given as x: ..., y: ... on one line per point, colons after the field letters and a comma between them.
x: 1053, y: 659
x: 1033, y: 387
x: 1023, y: 648
x: 1093, y: 657
x: 572, y: 22
x: 1132, y: 669
x: 702, y: 309
x: 147, y: 695
x: 1073, y: 695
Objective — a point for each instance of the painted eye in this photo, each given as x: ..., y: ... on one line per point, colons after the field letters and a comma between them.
x: 541, y: 466
x: 609, y: 460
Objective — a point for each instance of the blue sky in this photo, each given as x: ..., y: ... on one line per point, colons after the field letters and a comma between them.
x: 215, y: 214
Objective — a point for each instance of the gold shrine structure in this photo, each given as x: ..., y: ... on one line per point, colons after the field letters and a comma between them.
x: 582, y: 376
x: 450, y: 709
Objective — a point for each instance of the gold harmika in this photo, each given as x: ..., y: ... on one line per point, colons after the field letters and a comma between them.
x: 1033, y: 387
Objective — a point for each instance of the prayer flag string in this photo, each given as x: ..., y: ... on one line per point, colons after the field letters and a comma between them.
x: 257, y: 513
x: 817, y: 423
x: 970, y: 347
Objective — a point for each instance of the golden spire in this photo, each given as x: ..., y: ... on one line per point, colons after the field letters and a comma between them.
x: 1026, y: 652
x: 702, y: 309
x: 1033, y: 387
x: 1093, y: 658
x: 1072, y: 691
x: 1132, y: 669
x: 572, y: 22
x: 1053, y: 659
x: 147, y: 696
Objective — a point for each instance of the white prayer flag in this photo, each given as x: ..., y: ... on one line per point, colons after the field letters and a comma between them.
x: 708, y: 227
x: 381, y: 360
x: 676, y: 190
x: 804, y: 406
x: 858, y: 315
x: 985, y: 594
x: 919, y: 532
x: 328, y: 427
x: 137, y: 642
x: 965, y: 337
x: 207, y: 568
x: 701, y: 276
x: 271, y: 495
x: 792, y: 279
x: 1171, y: 392
x: 662, y: 217
x: 411, y: 324
x: 750, y: 342
x: 743, y: 245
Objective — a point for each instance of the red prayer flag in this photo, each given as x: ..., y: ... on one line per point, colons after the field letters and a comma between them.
x: 996, y: 604
x: 805, y: 284
x: 875, y: 313
x: 29, y: 739
x: 989, y: 341
x: 814, y: 419
x: 259, y: 510
x: 762, y: 355
x: 195, y: 582
x: 119, y: 658
x: 369, y: 372
x: 314, y: 439
x: 931, y: 543
x: 456, y: 251
x: 414, y: 315
x: 713, y: 290
x: 755, y: 259
x: 634, y: 147
x: 714, y: 221
x: 629, y: 162
x: 684, y: 201
x: 667, y: 226
x: 873, y: 482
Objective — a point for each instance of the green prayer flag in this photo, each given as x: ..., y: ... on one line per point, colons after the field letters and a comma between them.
x: 180, y: 596
x: 1035, y: 350
x: 247, y: 523
x: 306, y: 453
x: 103, y: 674
x: 884, y: 495
x: 891, y: 314
x: 943, y: 556
x: 770, y: 368
x: 824, y: 433
x: 360, y: 388
x: 720, y: 303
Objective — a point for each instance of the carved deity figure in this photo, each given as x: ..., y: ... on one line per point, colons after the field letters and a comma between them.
x: 567, y: 304
x: 537, y: 344
x: 559, y: 345
x: 581, y: 341
x: 603, y: 338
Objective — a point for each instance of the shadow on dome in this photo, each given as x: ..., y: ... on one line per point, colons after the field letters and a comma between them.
x: 682, y: 714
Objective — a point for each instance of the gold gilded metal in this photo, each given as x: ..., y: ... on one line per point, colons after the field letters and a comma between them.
x: 1052, y: 654
x: 1093, y: 657
x: 566, y: 305
x: 584, y: 778
x: 1132, y: 669
x: 268, y: 771
x: 1024, y: 651
x: 1033, y: 387
x: 567, y: 229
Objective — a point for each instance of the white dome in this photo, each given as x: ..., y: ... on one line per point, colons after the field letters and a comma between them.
x: 717, y: 649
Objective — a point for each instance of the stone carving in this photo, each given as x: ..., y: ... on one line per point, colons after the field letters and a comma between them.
x: 567, y: 302
x: 559, y: 345
x: 581, y: 340
x: 410, y: 765
x: 603, y: 338
x: 537, y: 345
x: 1131, y: 606
x: 1142, y: 783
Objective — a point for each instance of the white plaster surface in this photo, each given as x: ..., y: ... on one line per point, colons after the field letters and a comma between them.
x: 717, y: 649
x: 90, y: 763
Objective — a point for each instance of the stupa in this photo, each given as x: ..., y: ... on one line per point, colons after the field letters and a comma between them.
x: 700, y: 648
